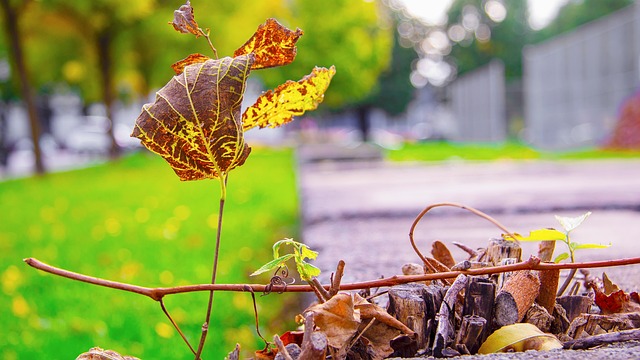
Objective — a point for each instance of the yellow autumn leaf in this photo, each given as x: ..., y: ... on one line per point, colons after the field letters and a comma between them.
x: 272, y: 45
x: 519, y: 337
x: 279, y: 106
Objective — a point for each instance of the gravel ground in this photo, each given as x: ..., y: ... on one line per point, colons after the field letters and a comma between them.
x: 618, y: 351
x: 361, y: 212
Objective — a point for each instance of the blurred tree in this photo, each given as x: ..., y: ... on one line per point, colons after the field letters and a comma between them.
x: 355, y: 36
x: 394, y: 91
x: 128, y: 46
x: 12, y: 12
x: 486, y: 29
x: 576, y: 13
x: 98, y: 24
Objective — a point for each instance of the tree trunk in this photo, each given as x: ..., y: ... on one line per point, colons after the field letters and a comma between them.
x: 104, y: 43
x: 11, y: 15
x: 363, y: 122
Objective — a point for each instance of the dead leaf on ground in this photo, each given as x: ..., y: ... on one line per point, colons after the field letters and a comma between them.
x: 609, y: 286
x: 441, y: 252
x: 337, y: 319
x: 617, y: 302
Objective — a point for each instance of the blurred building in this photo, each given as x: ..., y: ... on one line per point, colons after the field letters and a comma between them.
x: 575, y: 83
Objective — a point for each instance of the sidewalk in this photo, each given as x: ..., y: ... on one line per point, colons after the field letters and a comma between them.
x: 361, y: 212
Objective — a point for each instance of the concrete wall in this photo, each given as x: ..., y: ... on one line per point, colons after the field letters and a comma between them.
x: 477, y: 101
x: 574, y: 83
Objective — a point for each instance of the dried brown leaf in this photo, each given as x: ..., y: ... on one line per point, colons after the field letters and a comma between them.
x: 609, y: 286
x: 272, y: 45
x: 441, y: 252
x: 184, y: 21
x: 195, y: 122
x: 617, y: 302
x: 337, y: 319
x: 179, y: 66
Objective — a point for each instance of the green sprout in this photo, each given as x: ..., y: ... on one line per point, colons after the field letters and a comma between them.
x: 568, y: 224
x: 300, y: 253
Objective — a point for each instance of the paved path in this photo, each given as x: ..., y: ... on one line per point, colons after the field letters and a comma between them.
x: 362, y: 212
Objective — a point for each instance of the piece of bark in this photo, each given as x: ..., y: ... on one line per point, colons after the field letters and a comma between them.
x: 293, y: 350
x: 594, y: 324
x: 602, y: 339
x: 539, y: 316
x: 445, y: 330
x: 524, y: 287
x: 500, y: 248
x: 505, y: 310
x: 441, y: 252
x: 548, y: 288
x: 470, y: 334
x: 407, y: 304
x: 575, y: 305
x: 560, y: 322
x: 283, y: 352
x: 479, y: 301
x: 545, y: 250
x: 314, y: 344
x: 404, y: 347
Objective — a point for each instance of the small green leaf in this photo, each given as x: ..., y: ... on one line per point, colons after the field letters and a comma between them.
x: 590, y: 246
x: 561, y: 257
x: 273, y: 264
x: 307, y: 271
x: 569, y: 223
x: 307, y: 253
x: 541, y: 235
x: 278, y: 244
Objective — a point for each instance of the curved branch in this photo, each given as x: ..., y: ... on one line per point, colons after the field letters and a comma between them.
x: 158, y: 293
x: 463, y: 207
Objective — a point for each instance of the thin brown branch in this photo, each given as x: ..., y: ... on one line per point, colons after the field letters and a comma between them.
x: 463, y: 207
x: 158, y: 293
x: 175, y: 325
x: 336, y: 279
x: 214, y: 270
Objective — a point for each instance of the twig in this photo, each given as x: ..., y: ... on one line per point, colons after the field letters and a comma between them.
x: 336, y: 279
x: 255, y: 313
x: 281, y: 348
x: 158, y: 293
x: 566, y: 282
x: 175, y: 325
x: 322, y: 293
x: 601, y: 339
x: 468, y: 208
x: 214, y: 270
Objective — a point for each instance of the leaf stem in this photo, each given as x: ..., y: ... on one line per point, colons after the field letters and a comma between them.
x: 206, y: 36
x: 572, y: 273
x: 214, y: 270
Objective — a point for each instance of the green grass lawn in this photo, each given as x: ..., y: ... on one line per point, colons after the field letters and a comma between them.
x: 444, y: 151
x: 134, y: 221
